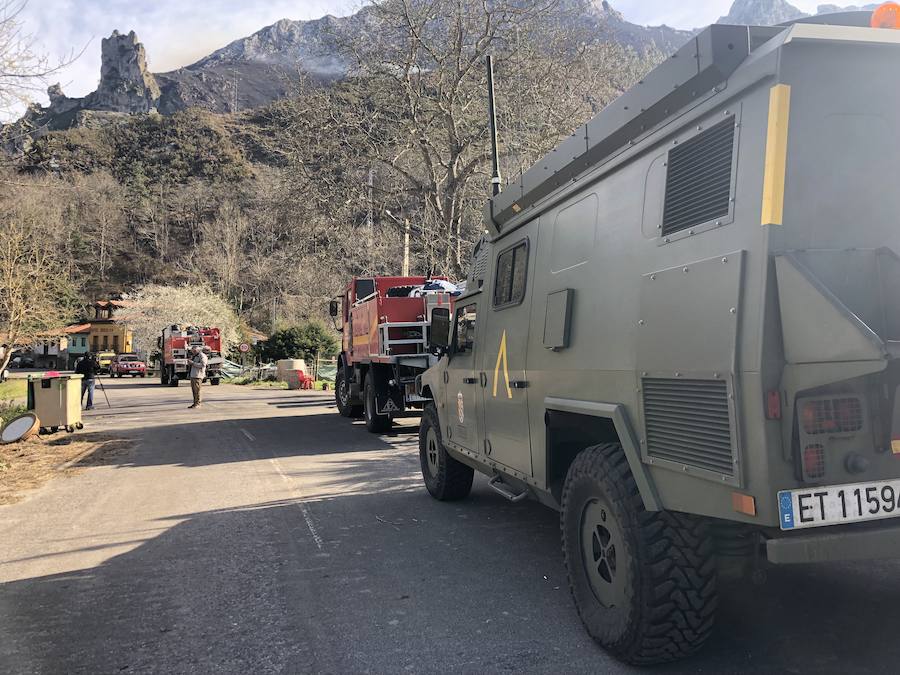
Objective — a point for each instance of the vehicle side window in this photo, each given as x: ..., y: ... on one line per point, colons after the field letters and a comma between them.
x: 465, y: 328
x: 512, y: 272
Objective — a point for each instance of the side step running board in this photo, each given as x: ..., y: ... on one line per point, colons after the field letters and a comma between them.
x: 499, y: 486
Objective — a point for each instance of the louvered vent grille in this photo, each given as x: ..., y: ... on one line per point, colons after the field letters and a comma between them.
x: 479, y: 269
x: 698, y: 182
x: 688, y: 422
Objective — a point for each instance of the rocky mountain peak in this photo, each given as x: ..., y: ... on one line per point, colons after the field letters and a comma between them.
x: 126, y: 85
x: 761, y: 13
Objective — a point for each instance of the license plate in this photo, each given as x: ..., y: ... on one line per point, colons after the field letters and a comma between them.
x: 836, y: 504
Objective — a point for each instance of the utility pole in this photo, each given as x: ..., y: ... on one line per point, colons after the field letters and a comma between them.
x: 370, y: 217
x: 405, y: 272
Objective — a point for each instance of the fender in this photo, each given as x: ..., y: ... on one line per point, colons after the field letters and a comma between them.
x: 617, y: 414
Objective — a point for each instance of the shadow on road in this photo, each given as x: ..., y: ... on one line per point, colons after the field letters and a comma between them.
x: 403, y: 582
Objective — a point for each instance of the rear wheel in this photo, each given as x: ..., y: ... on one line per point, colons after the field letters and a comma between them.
x: 215, y: 381
x: 375, y: 423
x: 446, y: 478
x: 644, y: 582
x: 163, y: 375
x: 342, y: 395
x: 173, y: 377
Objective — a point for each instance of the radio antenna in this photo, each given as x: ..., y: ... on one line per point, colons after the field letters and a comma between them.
x: 492, y: 118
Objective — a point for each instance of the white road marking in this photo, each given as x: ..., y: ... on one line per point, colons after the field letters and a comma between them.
x: 307, y: 516
x: 248, y: 434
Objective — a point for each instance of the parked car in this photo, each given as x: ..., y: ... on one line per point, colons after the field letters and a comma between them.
x: 22, y: 362
x: 128, y: 364
x: 105, y: 361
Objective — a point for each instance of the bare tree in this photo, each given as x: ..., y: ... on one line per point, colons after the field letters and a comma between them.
x: 156, y: 306
x: 37, y: 295
x: 420, y: 84
x: 24, y: 71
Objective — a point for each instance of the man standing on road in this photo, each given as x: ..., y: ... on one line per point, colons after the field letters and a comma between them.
x: 87, y: 367
x: 198, y: 373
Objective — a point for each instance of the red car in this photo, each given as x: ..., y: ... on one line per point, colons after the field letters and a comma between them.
x: 128, y: 364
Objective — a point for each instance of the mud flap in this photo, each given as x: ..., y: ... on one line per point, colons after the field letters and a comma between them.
x: 388, y: 400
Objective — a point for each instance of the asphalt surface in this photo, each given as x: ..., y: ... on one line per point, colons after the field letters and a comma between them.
x: 265, y: 534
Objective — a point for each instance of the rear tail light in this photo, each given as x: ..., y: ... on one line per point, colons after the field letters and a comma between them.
x: 814, y: 461
x: 830, y: 416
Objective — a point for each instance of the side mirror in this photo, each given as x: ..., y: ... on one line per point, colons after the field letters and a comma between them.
x: 441, y: 331
x: 334, y: 308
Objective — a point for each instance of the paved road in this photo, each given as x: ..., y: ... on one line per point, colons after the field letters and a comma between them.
x: 263, y: 533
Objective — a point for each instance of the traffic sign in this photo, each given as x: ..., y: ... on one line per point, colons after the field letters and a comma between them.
x: 244, y: 348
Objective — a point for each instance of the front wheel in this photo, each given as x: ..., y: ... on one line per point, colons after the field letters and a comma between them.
x: 375, y: 423
x: 342, y: 395
x: 215, y: 381
x: 446, y: 478
x: 644, y: 583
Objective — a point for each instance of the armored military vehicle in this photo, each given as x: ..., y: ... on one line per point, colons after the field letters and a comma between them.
x: 683, y: 329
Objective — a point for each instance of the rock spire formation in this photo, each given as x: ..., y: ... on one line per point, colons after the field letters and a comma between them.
x: 125, y: 83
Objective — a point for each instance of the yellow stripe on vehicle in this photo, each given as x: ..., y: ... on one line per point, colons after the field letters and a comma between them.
x: 776, y: 155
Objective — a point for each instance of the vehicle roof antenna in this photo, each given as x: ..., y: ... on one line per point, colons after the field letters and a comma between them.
x: 492, y: 118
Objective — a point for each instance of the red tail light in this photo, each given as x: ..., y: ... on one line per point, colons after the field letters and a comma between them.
x: 814, y: 461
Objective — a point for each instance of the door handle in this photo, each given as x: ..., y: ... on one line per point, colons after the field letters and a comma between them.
x: 483, y: 378
x: 519, y: 384
x: 446, y: 377
x: 470, y: 380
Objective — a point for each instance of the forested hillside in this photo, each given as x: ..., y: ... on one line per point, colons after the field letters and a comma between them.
x: 272, y: 207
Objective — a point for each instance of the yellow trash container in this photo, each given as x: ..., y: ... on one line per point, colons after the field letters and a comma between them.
x: 56, y: 401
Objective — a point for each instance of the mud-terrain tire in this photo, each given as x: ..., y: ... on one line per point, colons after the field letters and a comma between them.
x: 375, y: 423
x: 644, y: 583
x: 446, y: 478
x: 342, y: 395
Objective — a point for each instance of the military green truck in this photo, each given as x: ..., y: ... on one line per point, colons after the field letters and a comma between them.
x: 682, y: 330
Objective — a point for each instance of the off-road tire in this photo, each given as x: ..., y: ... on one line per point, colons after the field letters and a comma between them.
x: 375, y: 423
x: 215, y: 382
x: 450, y: 480
x: 342, y: 395
x: 669, y: 588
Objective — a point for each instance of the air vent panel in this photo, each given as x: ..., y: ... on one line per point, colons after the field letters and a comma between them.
x: 688, y: 422
x: 698, y: 180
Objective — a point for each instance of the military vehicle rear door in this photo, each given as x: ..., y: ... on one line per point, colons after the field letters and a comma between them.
x: 463, y: 393
x: 505, y: 318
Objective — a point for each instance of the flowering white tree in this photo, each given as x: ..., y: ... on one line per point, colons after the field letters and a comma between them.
x: 156, y: 306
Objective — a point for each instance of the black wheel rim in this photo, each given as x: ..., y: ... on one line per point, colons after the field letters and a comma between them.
x: 343, y: 392
x: 602, y: 553
x: 432, y: 453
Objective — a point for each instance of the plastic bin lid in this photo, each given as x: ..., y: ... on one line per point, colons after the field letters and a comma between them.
x: 19, y: 428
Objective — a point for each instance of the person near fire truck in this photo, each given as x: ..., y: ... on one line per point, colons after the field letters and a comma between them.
x: 198, y: 373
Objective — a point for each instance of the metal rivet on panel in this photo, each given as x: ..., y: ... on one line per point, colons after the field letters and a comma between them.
x: 684, y: 269
x: 733, y: 310
x: 652, y: 277
x: 724, y: 260
x: 668, y: 240
x: 640, y: 322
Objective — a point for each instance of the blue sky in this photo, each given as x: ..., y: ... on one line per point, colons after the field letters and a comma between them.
x: 179, y: 32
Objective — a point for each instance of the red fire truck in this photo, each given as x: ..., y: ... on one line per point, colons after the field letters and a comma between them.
x: 385, y: 323
x: 175, y: 347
